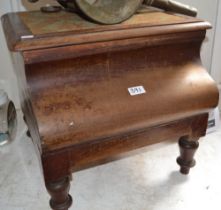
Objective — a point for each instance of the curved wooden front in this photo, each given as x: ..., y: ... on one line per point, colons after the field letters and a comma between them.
x: 86, y: 98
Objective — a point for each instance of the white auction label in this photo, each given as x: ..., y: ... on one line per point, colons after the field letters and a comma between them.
x: 136, y: 90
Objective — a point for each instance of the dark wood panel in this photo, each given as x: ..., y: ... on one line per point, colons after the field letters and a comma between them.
x: 87, y: 97
x: 101, y: 151
x: 74, y: 51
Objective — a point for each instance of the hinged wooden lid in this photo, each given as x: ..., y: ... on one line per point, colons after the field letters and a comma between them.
x: 37, y: 30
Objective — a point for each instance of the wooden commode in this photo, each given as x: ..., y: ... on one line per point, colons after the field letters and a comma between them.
x: 91, y: 92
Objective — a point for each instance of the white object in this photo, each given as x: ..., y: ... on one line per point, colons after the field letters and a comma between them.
x: 138, y: 90
x: 213, y: 121
x: 3, y: 97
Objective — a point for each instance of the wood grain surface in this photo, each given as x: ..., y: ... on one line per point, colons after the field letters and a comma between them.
x: 74, y: 77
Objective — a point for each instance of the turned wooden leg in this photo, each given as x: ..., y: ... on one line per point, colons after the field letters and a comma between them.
x: 60, y: 199
x: 187, y: 151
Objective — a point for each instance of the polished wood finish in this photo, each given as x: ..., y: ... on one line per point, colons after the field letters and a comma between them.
x: 56, y: 98
x: 187, y: 151
x: 60, y: 199
x: 73, y: 85
x: 36, y: 30
x: 189, y: 144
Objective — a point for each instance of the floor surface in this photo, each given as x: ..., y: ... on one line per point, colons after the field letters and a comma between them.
x: 147, y: 181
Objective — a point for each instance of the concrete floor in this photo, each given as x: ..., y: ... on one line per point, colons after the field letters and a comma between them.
x: 148, y: 181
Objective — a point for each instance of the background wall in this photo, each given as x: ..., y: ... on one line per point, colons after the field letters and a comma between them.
x: 216, y: 59
x: 8, y: 80
x: 209, y: 10
x: 7, y: 77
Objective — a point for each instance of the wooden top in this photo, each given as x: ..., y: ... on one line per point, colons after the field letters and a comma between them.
x: 41, y: 24
x: 37, y: 30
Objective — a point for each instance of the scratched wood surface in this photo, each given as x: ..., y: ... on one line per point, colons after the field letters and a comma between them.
x: 43, y: 23
x: 88, y: 97
x: 74, y: 77
x: 36, y: 30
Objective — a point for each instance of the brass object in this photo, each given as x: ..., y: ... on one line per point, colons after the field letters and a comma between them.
x: 173, y: 6
x: 117, y: 11
x: 108, y: 11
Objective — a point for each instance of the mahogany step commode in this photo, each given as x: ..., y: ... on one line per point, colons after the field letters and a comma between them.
x: 90, y: 92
